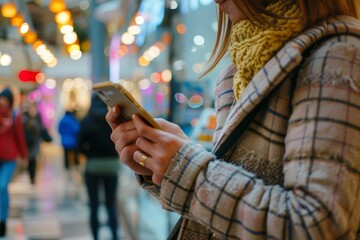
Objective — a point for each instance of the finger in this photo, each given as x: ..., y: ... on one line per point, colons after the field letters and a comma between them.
x: 171, y: 128
x: 136, y: 168
x: 122, y: 139
x: 124, y: 133
x: 145, y: 145
x: 125, y: 126
x: 112, y: 117
x: 157, y: 179
x: 145, y: 130
x: 126, y: 156
x: 159, y: 156
x: 141, y: 158
x: 148, y: 161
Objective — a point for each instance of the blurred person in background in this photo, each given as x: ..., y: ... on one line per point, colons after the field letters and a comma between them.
x: 102, y: 165
x: 12, y: 146
x: 35, y: 132
x: 293, y: 91
x: 69, y: 128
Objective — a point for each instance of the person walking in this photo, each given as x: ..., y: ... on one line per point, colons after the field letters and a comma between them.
x: 12, y: 146
x: 35, y: 132
x: 69, y: 128
x: 102, y: 166
x: 286, y: 157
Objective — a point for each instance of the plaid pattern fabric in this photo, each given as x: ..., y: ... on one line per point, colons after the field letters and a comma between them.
x: 295, y: 172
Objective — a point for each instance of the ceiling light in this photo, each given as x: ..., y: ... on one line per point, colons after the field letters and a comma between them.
x: 30, y: 37
x: 75, y: 55
x: 63, y: 17
x: 5, y: 60
x: 8, y: 10
x: 72, y: 47
x: 67, y: 28
x: 24, y: 28
x: 127, y: 38
x: 134, y: 30
x: 70, y: 38
x: 139, y: 20
x: 17, y: 20
x: 57, y: 6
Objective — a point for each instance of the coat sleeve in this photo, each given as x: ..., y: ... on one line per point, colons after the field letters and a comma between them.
x: 320, y: 198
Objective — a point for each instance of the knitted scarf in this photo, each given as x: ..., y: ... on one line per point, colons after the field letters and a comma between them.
x: 252, y: 46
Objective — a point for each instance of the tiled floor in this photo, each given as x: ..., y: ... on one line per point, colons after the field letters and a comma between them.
x: 56, y: 206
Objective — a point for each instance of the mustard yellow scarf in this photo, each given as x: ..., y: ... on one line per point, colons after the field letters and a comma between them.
x: 252, y: 46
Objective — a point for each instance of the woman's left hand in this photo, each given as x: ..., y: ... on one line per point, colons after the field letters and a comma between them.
x: 159, y: 146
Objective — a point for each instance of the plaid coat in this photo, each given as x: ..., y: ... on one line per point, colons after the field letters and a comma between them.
x: 295, y: 172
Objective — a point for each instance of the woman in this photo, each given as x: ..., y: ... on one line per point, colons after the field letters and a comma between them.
x: 12, y: 145
x: 294, y: 172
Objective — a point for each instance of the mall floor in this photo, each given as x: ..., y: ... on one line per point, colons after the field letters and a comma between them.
x: 56, y: 206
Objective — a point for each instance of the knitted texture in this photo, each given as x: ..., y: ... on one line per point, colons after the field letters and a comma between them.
x: 252, y: 46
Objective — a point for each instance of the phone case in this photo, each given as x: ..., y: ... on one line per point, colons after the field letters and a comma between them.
x: 113, y: 94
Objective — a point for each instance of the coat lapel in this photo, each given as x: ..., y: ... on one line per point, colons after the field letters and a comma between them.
x: 278, y: 67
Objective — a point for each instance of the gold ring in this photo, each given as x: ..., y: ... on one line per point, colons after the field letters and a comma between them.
x: 142, y: 160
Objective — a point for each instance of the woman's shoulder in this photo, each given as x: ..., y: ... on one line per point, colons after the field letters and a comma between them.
x: 338, y: 48
x: 334, y: 60
x: 340, y: 29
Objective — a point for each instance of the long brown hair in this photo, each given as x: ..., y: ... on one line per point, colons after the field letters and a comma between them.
x: 313, y: 11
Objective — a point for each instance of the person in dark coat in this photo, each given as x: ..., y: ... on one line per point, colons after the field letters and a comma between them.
x: 102, y: 165
x: 35, y: 132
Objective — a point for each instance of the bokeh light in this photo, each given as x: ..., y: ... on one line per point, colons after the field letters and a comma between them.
x: 196, y: 101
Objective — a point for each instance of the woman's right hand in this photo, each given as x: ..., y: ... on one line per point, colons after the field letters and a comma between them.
x: 124, y: 136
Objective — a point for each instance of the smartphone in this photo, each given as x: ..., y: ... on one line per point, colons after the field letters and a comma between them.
x: 113, y: 94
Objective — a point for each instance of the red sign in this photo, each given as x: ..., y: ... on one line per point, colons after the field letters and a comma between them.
x: 28, y: 75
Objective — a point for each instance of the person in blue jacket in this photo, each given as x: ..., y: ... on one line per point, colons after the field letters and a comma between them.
x: 69, y: 127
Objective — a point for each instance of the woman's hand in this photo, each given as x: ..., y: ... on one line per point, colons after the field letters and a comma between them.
x: 124, y: 136
x: 171, y: 128
x: 158, y: 145
x: 134, y: 139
